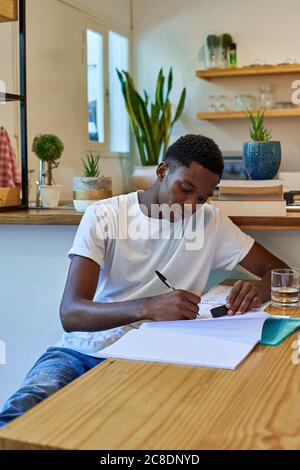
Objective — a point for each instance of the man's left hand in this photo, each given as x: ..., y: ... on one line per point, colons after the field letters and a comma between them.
x: 244, y: 296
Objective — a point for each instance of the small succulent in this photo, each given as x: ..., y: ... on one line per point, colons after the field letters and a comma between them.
x: 258, y: 132
x: 91, y: 165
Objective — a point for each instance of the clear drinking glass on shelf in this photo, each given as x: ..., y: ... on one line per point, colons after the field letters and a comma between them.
x: 213, y: 103
x: 285, y: 285
x: 239, y: 103
x: 266, y: 96
x: 223, y: 104
x: 250, y: 102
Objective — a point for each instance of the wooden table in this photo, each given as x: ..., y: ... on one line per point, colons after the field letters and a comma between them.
x: 136, y: 405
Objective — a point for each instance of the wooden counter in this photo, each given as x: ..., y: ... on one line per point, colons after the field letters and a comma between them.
x: 142, y: 405
x: 69, y: 217
x: 41, y: 217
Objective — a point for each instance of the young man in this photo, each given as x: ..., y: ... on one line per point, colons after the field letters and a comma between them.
x: 122, y: 242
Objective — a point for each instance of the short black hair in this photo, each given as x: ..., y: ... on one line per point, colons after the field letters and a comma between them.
x: 195, y: 148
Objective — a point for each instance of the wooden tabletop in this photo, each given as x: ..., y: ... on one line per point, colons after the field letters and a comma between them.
x: 70, y: 217
x: 136, y: 405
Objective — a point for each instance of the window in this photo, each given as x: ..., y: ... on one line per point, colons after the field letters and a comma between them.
x: 108, y: 121
x: 119, y: 120
x: 96, y: 126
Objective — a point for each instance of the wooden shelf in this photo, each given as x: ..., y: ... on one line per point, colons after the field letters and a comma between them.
x: 8, y: 10
x: 274, y: 112
x: 249, y: 71
x: 290, y: 222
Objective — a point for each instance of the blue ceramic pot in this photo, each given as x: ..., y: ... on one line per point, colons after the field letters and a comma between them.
x: 262, y: 159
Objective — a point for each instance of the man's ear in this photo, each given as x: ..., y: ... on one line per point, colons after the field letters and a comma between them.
x: 162, y: 171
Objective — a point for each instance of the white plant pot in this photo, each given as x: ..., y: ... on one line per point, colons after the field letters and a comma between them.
x: 50, y: 196
x: 144, y: 177
x: 86, y: 191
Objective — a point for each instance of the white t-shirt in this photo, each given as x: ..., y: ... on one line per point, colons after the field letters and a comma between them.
x: 115, y: 234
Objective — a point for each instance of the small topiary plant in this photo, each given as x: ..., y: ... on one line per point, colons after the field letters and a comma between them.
x: 49, y: 149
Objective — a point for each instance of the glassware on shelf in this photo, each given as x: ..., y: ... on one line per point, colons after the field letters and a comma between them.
x: 212, y: 50
x: 219, y: 103
x: 213, y: 103
x: 244, y: 102
x: 250, y: 102
x: 266, y: 96
x: 259, y: 62
x: 290, y: 60
x: 223, y: 103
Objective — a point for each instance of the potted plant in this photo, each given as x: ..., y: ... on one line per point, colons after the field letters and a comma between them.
x: 225, y: 41
x: 262, y: 156
x: 211, y: 50
x: 48, y: 148
x: 91, y: 186
x: 152, y: 124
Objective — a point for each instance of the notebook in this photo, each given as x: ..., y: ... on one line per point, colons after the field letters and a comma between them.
x: 206, y: 342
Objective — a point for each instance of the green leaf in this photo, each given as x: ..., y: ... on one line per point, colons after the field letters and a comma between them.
x: 180, y: 107
x: 160, y: 88
x: 170, y: 83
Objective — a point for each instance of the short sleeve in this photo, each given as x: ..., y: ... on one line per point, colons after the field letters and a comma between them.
x: 232, y: 245
x: 89, y: 241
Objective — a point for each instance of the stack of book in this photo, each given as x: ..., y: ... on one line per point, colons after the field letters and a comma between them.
x: 251, y: 198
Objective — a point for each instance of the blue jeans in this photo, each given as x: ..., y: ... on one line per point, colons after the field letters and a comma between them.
x: 56, y: 368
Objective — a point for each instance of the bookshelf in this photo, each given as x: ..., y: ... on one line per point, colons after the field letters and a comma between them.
x: 240, y: 72
x: 12, y: 10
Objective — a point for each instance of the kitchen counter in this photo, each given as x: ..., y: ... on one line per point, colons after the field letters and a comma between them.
x: 70, y: 217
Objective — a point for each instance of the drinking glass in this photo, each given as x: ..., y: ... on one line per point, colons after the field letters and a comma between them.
x: 213, y: 103
x: 285, y: 287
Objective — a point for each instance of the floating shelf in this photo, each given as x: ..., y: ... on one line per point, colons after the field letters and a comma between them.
x: 274, y: 112
x: 249, y: 71
x: 8, y: 10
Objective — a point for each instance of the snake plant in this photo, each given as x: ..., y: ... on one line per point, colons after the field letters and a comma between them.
x: 152, y: 123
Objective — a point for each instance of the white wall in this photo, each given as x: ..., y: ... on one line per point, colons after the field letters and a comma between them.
x: 171, y: 33
x: 56, y: 81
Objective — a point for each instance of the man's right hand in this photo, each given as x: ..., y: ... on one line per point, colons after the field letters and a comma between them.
x: 177, y: 305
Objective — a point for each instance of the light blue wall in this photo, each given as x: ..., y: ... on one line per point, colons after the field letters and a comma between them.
x: 33, y: 270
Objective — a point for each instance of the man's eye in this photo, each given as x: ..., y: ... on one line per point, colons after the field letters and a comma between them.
x: 185, y: 189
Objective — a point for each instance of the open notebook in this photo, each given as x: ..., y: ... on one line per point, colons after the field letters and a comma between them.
x: 208, y: 342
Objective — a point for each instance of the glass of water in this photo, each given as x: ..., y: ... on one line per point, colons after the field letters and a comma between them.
x: 285, y: 287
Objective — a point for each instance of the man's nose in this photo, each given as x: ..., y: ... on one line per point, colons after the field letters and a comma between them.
x: 192, y: 202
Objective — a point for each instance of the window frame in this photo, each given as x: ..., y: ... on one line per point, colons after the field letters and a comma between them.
x: 103, y: 29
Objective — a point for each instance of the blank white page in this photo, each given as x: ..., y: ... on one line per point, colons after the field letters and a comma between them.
x: 243, y: 328
x: 157, y: 345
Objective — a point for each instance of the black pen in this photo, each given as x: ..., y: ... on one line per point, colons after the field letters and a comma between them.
x: 164, y: 280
